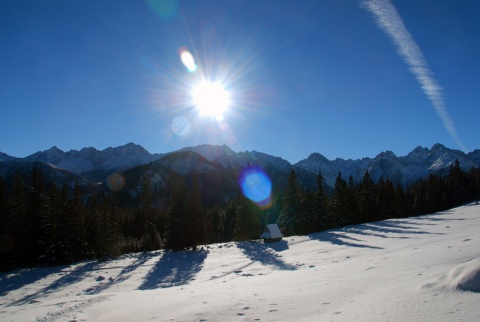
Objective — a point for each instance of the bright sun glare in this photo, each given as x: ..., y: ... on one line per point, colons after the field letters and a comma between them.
x: 211, y: 99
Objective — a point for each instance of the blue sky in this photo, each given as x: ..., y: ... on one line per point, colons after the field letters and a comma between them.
x: 347, y: 79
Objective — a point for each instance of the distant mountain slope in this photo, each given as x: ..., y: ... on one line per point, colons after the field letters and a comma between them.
x: 403, y: 170
x: 50, y: 173
x: 90, y: 161
x: 97, y: 165
x: 5, y: 157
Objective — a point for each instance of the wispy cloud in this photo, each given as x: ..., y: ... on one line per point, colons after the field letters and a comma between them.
x: 392, y: 24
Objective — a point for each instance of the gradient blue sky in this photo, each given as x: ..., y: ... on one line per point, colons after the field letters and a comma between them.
x: 330, y: 76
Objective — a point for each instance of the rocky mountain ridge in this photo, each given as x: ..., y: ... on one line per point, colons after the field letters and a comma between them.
x: 96, y: 165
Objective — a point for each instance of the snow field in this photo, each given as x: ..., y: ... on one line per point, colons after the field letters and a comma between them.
x: 414, y: 269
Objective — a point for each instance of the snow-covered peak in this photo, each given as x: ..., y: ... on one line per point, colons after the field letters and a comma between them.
x: 90, y: 159
x: 404, y: 170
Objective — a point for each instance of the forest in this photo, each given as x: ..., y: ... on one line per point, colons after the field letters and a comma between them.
x: 44, y: 224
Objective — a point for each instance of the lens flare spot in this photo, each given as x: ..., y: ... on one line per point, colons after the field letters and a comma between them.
x: 187, y: 60
x: 256, y: 185
x: 115, y: 182
x: 165, y: 9
x: 181, y: 126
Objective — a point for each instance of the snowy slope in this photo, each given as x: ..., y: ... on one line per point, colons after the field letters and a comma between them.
x: 413, y: 269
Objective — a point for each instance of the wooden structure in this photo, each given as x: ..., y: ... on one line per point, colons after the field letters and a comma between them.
x: 271, y: 233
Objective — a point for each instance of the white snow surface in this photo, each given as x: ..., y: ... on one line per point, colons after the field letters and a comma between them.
x: 414, y: 269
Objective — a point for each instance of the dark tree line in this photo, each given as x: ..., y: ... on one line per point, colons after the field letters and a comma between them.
x: 353, y: 203
x: 44, y: 224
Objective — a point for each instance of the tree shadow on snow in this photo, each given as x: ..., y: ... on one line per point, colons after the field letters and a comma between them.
x: 124, y: 274
x: 338, y: 237
x: 437, y: 216
x: 278, y: 246
x: 174, y: 268
x: 262, y: 253
x: 391, y: 227
x: 398, y: 227
x: 70, y: 275
x: 15, y: 280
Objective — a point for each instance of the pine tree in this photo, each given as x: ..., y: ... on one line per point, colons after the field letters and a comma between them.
x: 400, y: 204
x: 433, y: 194
x: 7, y: 238
x: 307, y: 220
x: 93, y: 227
x: 146, y: 213
x: 247, y: 223
x: 338, y: 215
x: 76, y: 238
x: 352, y: 212
x: 289, y: 218
x: 418, y: 194
x: 385, y: 199
x: 175, y: 221
x: 320, y: 204
x: 457, y: 185
x: 34, y: 214
x: 194, y: 219
x: 367, y: 199
x: 229, y: 220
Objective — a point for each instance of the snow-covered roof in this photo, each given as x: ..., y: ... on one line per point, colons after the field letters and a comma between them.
x: 271, y: 231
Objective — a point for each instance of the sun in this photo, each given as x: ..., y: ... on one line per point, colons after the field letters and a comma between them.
x: 211, y: 99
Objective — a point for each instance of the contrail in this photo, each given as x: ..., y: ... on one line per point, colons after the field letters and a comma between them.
x: 390, y: 21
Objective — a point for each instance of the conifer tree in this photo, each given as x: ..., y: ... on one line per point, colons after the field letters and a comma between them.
x: 320, y: 204
x: 289, y: 218
x: 418, y: 201
x: 5, y: 217
x: 457, y: 185
x: 34, y: 213
x: 194, y: 219
x: 175, y: 222
x: 229, y: 220
x: 307, y: 221
x: 385, y: 199
x: 338, y: 215
x: 400, y: 203
x: 351, y: 206
x: 433, y: 194
x: 247, y: 223
x: 146, y: 212
x: 367, y: 198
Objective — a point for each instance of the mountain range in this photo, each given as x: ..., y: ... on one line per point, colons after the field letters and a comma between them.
x: 92, y: 165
